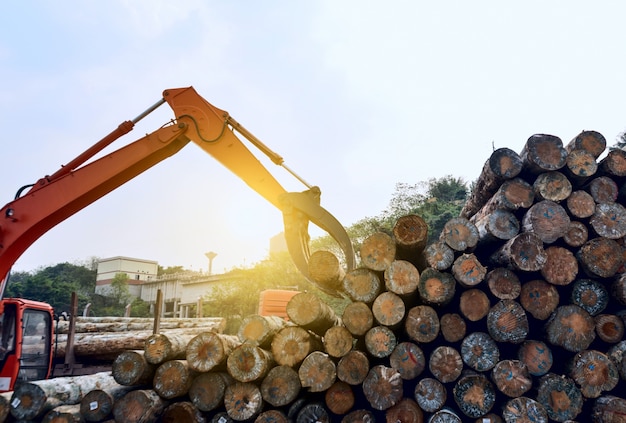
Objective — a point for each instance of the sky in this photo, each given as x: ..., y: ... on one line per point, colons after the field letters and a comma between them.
x: 356, y: 96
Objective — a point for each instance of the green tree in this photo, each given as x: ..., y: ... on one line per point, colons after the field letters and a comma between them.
x: 621, y: 141
x: 120, y: 292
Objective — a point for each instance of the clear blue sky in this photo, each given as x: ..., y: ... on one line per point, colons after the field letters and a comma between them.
x: 355, y: 95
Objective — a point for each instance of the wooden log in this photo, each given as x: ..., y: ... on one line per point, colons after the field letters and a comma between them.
x: 609, y: 328
x: 474, y: 395
x: 507, y: 322
x: 553, y: 186
x: 377, y: 251
x: 609, y: 409
x: 489, y: 418
x: 160, y: 347
x: 539, y: 298
x: 571, y: 327
x: 339, y: 398
x: 357, y: 317
x: 209, y: 350
x: 580, y: 165
x: 577, y: 234
x: 97, y: 404
x: 561, y: 267
x: 618, y: 289
x: 590, y: 295
x: 312, y: 412
x: 272, y: 416
x: 474, y: 304
x: 591, y: 141
x: 580, y: 204
x: 536, y: 355
x: 207, y: 390
x: 468, y: 270
x: 460, y: 234
x: 609, y: 220
x: 221, y: 417
x: 422, y: 324
x: 249, y: 363
x: 139, y: 406
x: 132, y: 324
x: 362, y: 284
x: 430, y: 394
x: 260, y: 330
x: 243, y: 401
x: 525, y: 253
x: 182, y: 411
x: 603, y: 189
x: 453, y: 327
x: 546, y: 219
x: 173, y: 379
x: 338, y: 341
x: 410, y: 233
x: 326, y: 270
x: 401, y: 278
x: 359, y: 416
x: 594, y: 372
x: 352, y: 368
x: 524, y: 410
x: 388, y: 309
x: 408, y: 359
x: 445, y: 364
x: 317, y: 372
x: 512, y: 378
x: 280, y: 386
x: 479, y: 351
x: 512, y: 195
x: 438, y: 255
x: 380, y: 341
x: 292, y: 344
x: 31, y: 400
x: 445, y: 415
x: 383, y: 387
x: 130, y: 368
x: 496, y: 226
x: 614, y: 163
x: 63, y: 414
x: 406, y: 410
x: 310, y: 312
x: 503, y: 283
x: 560, y: 397
x: 543, y: 153
x: 5, y: 407
x: 436, y: 287
x: 503, y: 164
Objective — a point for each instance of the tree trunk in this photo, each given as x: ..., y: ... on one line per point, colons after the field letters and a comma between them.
x: 503, y: 164
x: 594, y: 372
x: 524, y: 410
x: 338, y: 341
x: 539, y: 298
x: 474, y: 304
x: 326, y: 271
x: 600, y: 257
x: 577, y: 234
x: 160, y: 347
x: 380, y: 341
x: 410, y: 233
x: 580, y: 165
x: 609, y: 328
x: 339, y: 398
x: 512, y: 378
x: 603, y: 189
x: 453, y: 327
x: 560, y: 396
x: 591, y: 141
x: 353, y: 367
x: 378, y: 251
x: 357, y: 318
x: 132, y: 324
x: 479, y: 351
x: 209, y: 350
x: 173, y: 379
x: 543, y: 153
x: 359, y: 416
x: 537, y: 357
x: 317, y: 372
x: 546, y: 219
x: 552, y: 186
x: 561, y: 267
x: 422, y: 324
x: 63, y: 414
x: 460, y: 234
x: 609, y: 220
x: 430, y: 394
x: 249, y: 363
x: 614, y: 163
x: 97, y: 405
x: 503, y: 283
x: 310, y: 312
x: 182, y: 411
x: 436, y: 287
x: 496, y: 226
x: 130, y: 368
x: 207, y: 390
x: 401, y: 278
x: 383, y: 387
x: 571, y: 327
x: 475, y: 395
x: 139, y: 406
x: 512, y: 195
x: 468, y: 270
x: 581, y: 204
x: 439, y: 255
x: 445, y: 364
x: 260, y: 330
x: 609, y: 409
x: 362, y: 284
x: 507, y: 322
x: 243, y: 401
x: 280, y: 386
x: 292, y: 344
x: 406, y: 410
x: 388, y: 309
x: 408, y: 359
x: 33, y: 399
x: 523, y: 253
x: 272, y: 416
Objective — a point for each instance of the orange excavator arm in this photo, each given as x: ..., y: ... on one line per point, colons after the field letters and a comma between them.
x: 39, y: 207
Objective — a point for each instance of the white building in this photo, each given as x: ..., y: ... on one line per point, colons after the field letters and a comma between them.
x: 138, y: 271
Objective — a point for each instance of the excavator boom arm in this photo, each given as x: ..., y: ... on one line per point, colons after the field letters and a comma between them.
x: 55, y: 198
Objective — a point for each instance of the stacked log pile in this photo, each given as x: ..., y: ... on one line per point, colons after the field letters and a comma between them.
x: 515, y: 314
